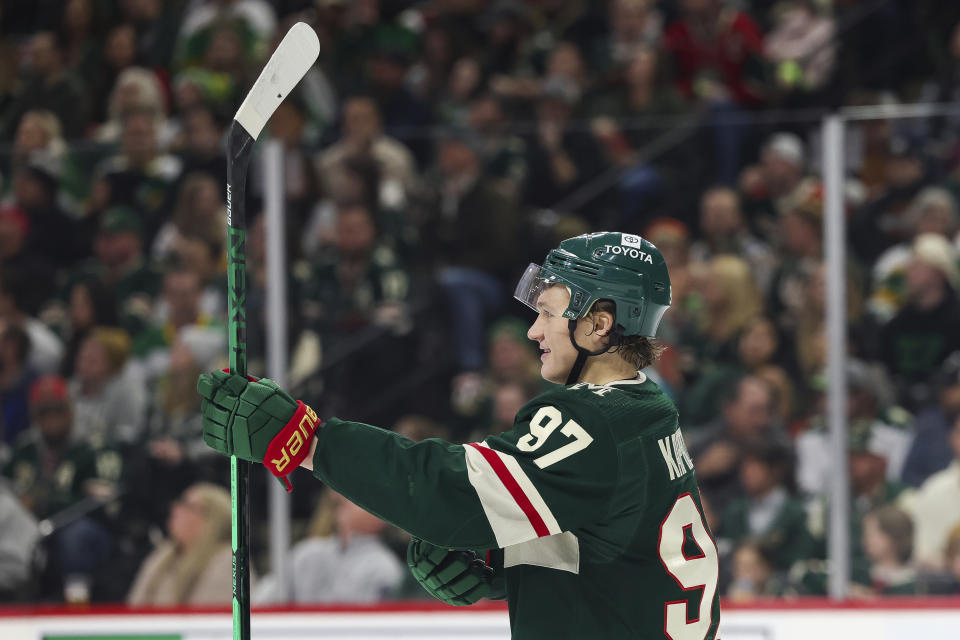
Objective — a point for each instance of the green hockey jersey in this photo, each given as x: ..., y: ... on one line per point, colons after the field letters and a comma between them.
x: 592, y: 497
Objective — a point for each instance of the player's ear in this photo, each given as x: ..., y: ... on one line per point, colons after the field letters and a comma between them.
x: 602, y: 323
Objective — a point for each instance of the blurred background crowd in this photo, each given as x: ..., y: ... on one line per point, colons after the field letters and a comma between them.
x: 436, y: 148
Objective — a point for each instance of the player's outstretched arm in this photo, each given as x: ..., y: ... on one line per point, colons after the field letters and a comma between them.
x: 419, y: 487
x: 509, y: 489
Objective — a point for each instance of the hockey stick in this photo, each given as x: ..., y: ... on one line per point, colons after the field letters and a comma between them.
x: 292, y: 59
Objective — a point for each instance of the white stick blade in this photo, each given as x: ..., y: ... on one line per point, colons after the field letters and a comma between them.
x: 293, y: 57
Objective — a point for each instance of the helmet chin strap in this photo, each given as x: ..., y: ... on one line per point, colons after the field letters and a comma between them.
x: 583, y: 354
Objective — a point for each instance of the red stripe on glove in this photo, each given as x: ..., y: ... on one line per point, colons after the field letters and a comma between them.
x: 291, y: 446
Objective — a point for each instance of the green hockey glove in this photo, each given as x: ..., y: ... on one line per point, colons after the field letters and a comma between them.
x: 456, y: 577
x: 257, y: 421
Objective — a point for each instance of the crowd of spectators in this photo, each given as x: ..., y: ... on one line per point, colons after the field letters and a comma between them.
x: 435, y: 149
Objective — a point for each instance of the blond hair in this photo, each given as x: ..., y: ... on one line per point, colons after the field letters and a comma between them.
x: 186, y: 565
x: 177, y: 392
x: 116, y: 344
x: 322, y: 522
x: 740, y: 294
x: 782, y: 386
x: 50, y: 124
x: 810, y: 329
x: 150, y: 93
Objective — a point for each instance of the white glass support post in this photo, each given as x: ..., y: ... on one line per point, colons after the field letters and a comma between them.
x: 277, y: 357
x: 834, y: 235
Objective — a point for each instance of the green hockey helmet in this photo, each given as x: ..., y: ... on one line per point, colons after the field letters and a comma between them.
x: 621, y: 267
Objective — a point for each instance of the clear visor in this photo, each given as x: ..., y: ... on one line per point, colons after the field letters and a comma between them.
x: 533, y: 282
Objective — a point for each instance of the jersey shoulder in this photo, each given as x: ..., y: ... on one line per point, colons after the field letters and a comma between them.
x: 619, y: 414
x: 639, y: 402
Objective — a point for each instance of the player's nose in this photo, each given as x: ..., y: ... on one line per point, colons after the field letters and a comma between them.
x: 535, y: 332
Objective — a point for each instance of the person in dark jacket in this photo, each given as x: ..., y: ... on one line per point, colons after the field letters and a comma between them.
x: 474, y: 228
x: 770, y: 514
x: 930, y: 447
x: 921, y: 336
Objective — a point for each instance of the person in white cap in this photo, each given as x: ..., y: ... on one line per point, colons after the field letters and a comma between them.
x: 919, y: 338
x: 932, y: 210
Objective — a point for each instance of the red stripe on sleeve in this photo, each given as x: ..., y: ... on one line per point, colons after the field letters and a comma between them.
x: 515, y: 491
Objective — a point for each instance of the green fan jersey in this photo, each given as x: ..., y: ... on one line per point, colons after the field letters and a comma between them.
x: 592, y: 497
x: 48, y: 481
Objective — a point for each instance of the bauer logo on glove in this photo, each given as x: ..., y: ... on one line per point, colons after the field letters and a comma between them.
x: 301, y: 429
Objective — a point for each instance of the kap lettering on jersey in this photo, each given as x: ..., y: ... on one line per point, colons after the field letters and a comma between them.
x: 675, y: 455
x: 629, y: 252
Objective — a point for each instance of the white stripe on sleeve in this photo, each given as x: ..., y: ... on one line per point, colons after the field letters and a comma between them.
x: 510, y: 524
x: 532, y: 494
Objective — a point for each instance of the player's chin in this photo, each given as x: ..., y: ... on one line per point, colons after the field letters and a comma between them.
x: 548, y: 374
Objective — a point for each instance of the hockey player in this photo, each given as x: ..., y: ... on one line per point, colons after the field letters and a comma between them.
x: 586, y: 516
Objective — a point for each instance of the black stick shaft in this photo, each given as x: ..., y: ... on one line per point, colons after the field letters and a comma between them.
x: 239, y: 146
